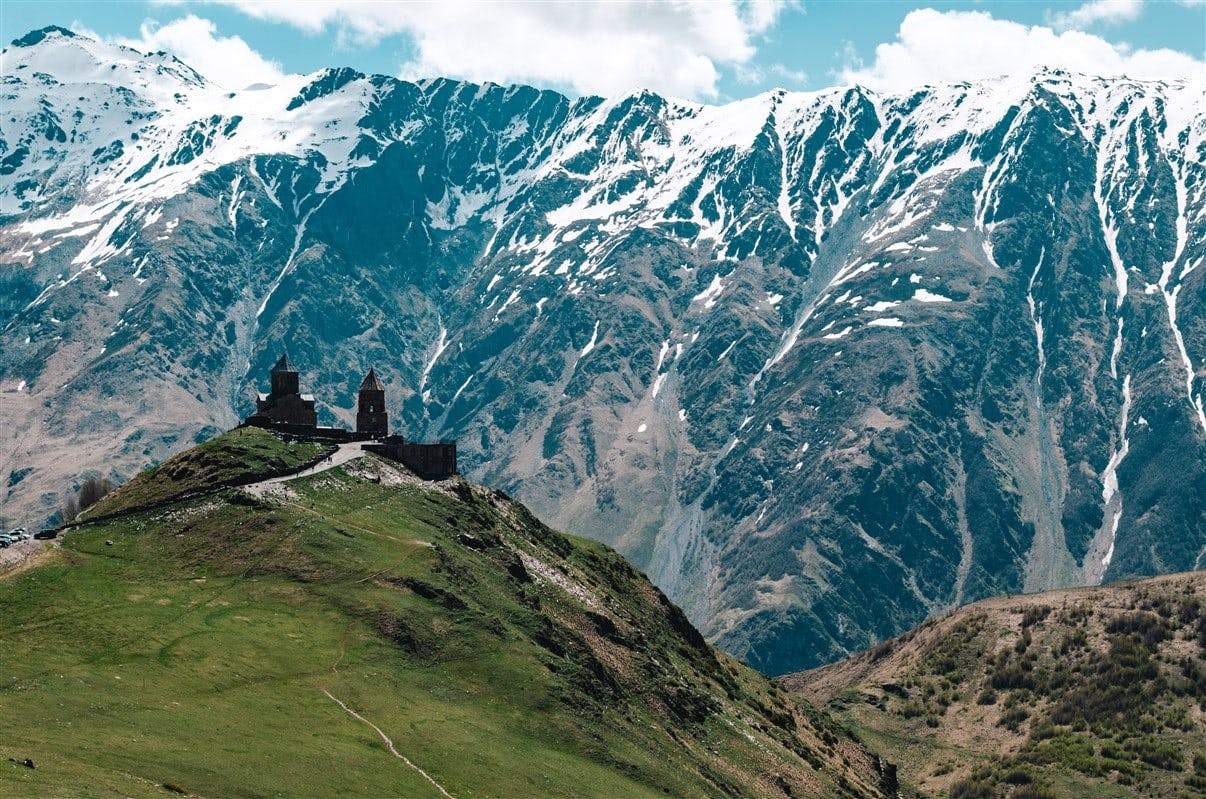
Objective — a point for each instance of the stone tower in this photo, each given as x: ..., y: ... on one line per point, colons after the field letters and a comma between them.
x: 371, y: 418
x: 284, y: 378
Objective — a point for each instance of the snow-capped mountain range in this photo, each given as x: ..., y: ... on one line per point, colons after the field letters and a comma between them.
x: 820, y: 363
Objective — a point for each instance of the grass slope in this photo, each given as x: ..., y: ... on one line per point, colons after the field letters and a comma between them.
x: 209, y: 645
x: 236, y: 457
x: 1097, y: 692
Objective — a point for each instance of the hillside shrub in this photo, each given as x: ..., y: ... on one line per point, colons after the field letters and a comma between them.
x: 973, y: 789
x: 92, y: 491
x: 880, y: 651
x: 1034, y: 614
x: 1150, y: 628
x: 1012, y: 719
x: 1156, y: 752
x: 1197, y: 780
x: 1077, y: 639
x: 1065, y: 749
x: 1012, y: 676
x: 1189, y: 611
x: 1117, y: 691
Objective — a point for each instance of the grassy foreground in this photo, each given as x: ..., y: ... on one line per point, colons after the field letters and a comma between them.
x: 207, y: 646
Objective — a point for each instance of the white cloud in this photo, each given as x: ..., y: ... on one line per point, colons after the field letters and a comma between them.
x: 751, y: 74
x: 227, y: 61
x: 761, y: 15
x: 938, y: 47
x: 1111, y: 12
x: 785, y: 73
x: 587, y: 46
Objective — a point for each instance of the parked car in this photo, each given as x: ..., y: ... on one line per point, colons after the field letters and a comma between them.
x: 6, y: 541
x: 42, y: 535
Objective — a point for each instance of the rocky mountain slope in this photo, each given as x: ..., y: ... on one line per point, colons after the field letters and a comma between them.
x: 358, y: 632
x: 821, y: 364
x: 1089, y: 692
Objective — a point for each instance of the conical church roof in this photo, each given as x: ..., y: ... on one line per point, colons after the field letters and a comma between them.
x: 371, y: 383
x: 283, y: 365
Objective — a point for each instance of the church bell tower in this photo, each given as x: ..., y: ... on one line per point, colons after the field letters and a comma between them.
x: 371, y: 418
x: 284, y: 378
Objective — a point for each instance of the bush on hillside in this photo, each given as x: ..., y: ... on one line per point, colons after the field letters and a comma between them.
x: 93, y: 491
x: 1149, y: 627
x: 90, y: 492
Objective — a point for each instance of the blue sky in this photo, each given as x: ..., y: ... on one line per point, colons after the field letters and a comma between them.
x: 712, y: 51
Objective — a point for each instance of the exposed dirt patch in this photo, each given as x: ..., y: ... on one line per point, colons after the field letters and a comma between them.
x: 25, y: 555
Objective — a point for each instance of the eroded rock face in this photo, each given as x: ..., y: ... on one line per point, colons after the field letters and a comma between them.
x: 820, y: 364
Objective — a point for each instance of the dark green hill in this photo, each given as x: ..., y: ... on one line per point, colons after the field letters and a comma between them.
x: 360, y: 633
x: 238, y: 457
x: 1095, y: 692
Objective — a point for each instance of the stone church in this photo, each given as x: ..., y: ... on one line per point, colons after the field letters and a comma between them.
x: 285, y: 404
x: 286, y: 410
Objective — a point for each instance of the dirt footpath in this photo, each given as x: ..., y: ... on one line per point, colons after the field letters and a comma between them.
x: 342, y: 454
x: 19, y: 555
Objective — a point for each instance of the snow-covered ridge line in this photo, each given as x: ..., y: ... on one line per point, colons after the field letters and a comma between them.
x: 277, y: 119
x: 651, y: 162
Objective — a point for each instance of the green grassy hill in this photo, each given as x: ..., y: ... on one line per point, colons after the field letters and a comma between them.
x: 234, y: 458
x: 1096, y: 692
x: 360, y: 633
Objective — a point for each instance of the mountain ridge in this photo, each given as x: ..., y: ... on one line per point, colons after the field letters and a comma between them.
x: 798, y: 356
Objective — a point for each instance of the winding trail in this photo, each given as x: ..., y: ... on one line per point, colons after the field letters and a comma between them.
x: 342, y: 454
x: 390, y: 744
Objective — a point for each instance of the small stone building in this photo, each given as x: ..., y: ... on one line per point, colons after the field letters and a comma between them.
x: 432, y: 461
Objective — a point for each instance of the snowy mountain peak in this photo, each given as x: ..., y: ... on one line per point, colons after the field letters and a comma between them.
x: 153, y: 128
x: 35, y: 36
x: 63, y: 57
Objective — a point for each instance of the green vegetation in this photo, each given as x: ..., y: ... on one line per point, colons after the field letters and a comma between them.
x: 236, y: 457
x: 206, y: 646
x: 1114, y: 712
x: 1095, y: 693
